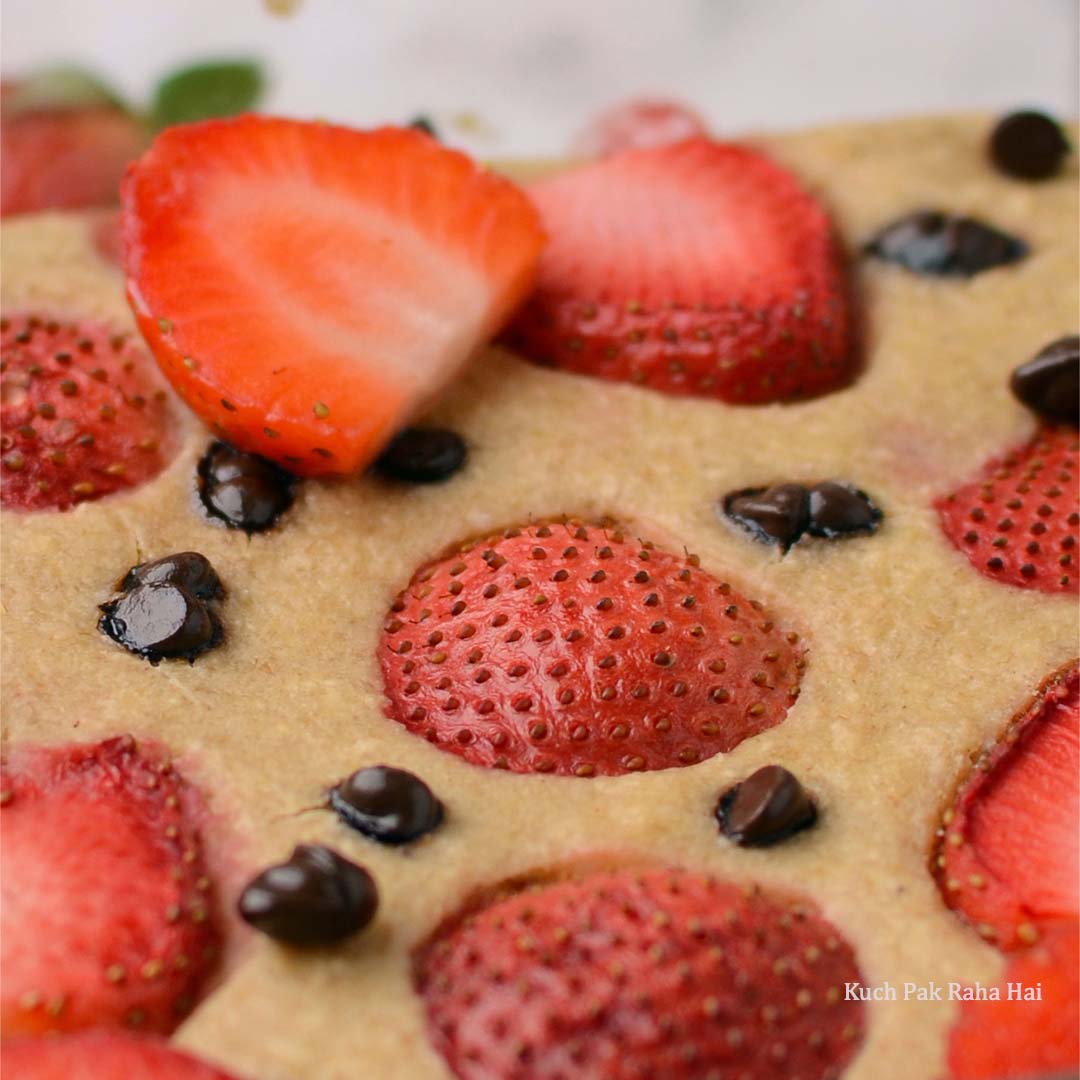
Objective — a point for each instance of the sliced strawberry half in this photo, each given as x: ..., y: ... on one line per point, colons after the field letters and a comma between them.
x: 660, y: 973
x: 696, y: 268
x: 63, y: 158
x: 1018, y: 520
x: 1018, y: 1037
x: 1009, y: 859
x: 107, y: 914
x: 637, y: 125
x: 307, y: 288
x: 579, y: 650
x: 84, y: 413
x: 102, y: 1055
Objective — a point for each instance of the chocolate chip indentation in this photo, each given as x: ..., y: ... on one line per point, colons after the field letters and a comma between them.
x: 161, y: 620
x: 768, y: 806
x: 422, y: 455
x: 775, y: 515
x: 1028, y: 145
x: 387, y: 804
x: 243, y: 490
x: 1049, y: 383
x: 187, y: 568
x: 838, y: 510
x: 936, y: 243
x: 317, y: 897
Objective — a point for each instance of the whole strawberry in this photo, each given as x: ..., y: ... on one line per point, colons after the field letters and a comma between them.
x: 660, y: 973
x: 578, y: 650
x: 1018, y: 521
x: 84, y: 413
x: 107, y: 915
x: 699, y: 268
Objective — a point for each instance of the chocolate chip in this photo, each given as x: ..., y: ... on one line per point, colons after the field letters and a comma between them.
x: 931, y: 242
x: 423, y: 455
x: 161, y: 620
x: 775, y: 515
x: 838, y: 510
x: 243, y: 490
x: 316, y: 898
x: 389, y: 805
x: 765, y: 808
x: 425, y: 124
x: 1028, y: 145
x: 187, y: 568
x: 1049, y: 383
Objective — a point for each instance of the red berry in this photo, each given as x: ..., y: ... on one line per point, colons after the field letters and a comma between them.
x: 637, y: 125
x: 1018, y: 520
x: 357, y: 270
x: 107, y: 910
x: 574, y: 650
x: 662, y: 973
x: 997, y: 1039
x: 1009, y: 859
x: 102, y: 1055
x: 84, y: 413
x: 64, y: 158
x: 698, y: 268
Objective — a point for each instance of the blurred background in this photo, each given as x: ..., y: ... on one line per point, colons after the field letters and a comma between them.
x: 521, y: 76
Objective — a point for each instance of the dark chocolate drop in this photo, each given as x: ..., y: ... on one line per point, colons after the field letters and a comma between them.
x: 1028, y: 146
x: 389, y: 805
x: 837, y: 510
x: 243, y: 490
x: 160, y: 620
x: 317, y: 897
x: 768, y: 806
x: 187, y: 568
x: 423, y: 456
x: 1049, y: 383
x: 775, y: 515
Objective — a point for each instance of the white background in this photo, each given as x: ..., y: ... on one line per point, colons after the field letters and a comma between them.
x: 533, y: 70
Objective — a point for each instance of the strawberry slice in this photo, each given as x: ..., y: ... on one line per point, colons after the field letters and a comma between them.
x: 63, y: 158
x: 84, y: 413
x: 696, y: 268
x: 1017, y: 1038
x: 660, y: 973
x: 1018, y: 520
x: 637, y: 125
x: 1009, y: 859
x: 106, y: 899
x: 576, y: 650
x: 308, y: 288
x: 102, y: 1055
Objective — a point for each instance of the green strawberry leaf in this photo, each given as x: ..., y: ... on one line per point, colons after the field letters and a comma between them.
x: 64, y: 87
x: 202, y: 91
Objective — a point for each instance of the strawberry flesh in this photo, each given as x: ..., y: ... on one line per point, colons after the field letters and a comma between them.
x: 107, y: 905
x: 308, y: 288
x: 659, y: 973
x: 577, y: 650
x: 698, y: 268
x: 84, y: 414
x: 1009, y: 859
x: 102, y: 1055
x: 1025, y: 1039
x: 1018, y: 521
x: 637, y: 125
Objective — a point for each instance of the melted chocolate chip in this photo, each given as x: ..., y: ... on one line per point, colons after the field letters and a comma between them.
x: 425, y: 124
x: 775, y: 515
x: 1049, y: 383
x: 931, y: 242
x: 423, y: 455
x: 187, y: 568
x: 389, y: 805
x: 1028, y: 145
x: 768, y: 806
x: 243, y: 490
x: 838, y: 510
x: 316, y: 898
x: 161, y: 620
